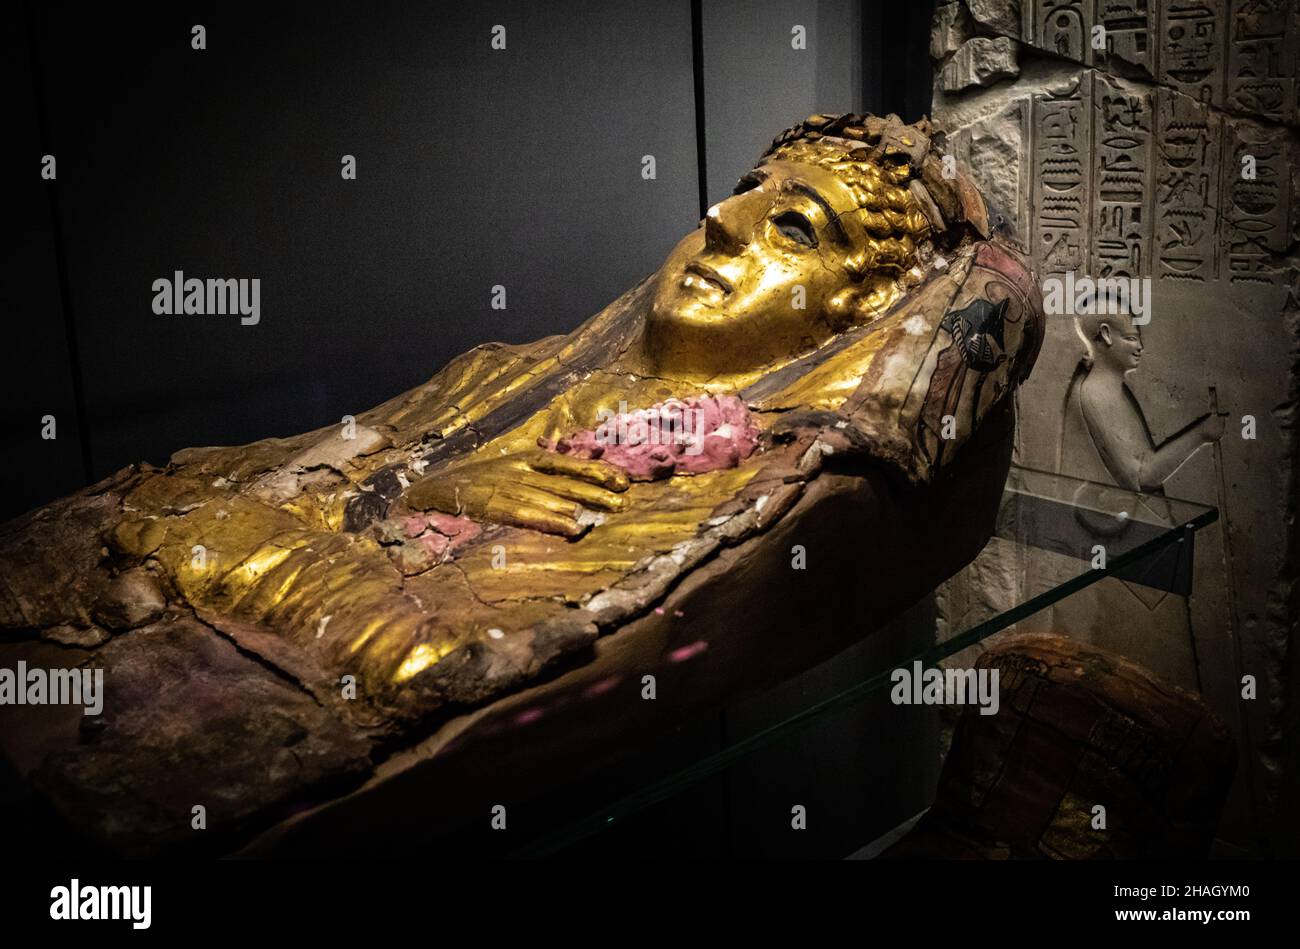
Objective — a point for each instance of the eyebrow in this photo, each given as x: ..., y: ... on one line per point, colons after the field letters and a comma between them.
x: 832, y: 217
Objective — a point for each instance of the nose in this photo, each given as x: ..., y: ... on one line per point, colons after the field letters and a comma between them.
x: 722, y: 232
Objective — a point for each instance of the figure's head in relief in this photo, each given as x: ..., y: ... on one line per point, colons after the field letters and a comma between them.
x: 1111, y: 342
x: 827, y: 232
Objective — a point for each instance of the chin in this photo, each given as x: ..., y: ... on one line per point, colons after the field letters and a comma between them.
x: 684, y: 311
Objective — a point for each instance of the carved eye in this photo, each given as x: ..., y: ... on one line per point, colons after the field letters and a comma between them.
x: 748, y: 183
x: 796, y: 227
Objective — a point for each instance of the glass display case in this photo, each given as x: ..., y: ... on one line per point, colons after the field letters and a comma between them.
x: 1064, y: 534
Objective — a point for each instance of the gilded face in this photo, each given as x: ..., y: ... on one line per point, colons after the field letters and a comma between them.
x: 762, y: 279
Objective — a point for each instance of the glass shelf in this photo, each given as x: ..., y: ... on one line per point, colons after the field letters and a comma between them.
x: 1069, y: 532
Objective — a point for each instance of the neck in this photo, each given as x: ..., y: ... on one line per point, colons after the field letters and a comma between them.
x: 705, y: 369
x: 1109, y: 371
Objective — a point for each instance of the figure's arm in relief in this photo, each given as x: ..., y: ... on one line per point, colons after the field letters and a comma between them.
x: 1126, y: 448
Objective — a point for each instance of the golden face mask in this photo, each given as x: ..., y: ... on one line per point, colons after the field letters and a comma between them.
x: 816, y: 239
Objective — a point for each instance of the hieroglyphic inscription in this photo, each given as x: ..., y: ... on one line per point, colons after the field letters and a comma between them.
x: 1191, y: 48
x: 1257, y: 208
x: 1062, y: 164
x: 1132, y: 178
x: 1064, y: 28
x: 1261, y: 58
x: 1186, y: 184
x: 1235, y: 53
x: 1121, y: 238
x: 1129, y: 29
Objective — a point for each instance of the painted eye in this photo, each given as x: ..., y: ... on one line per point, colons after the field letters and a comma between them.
x: 796, y: 227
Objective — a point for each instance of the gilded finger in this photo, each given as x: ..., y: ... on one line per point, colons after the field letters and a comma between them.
x: 590, y: 470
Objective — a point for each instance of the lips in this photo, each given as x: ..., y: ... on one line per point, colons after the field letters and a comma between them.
x: 708, y: 276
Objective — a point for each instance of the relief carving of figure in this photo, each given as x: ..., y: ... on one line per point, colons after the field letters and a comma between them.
x: 1105, y: 440
x: 1106, y: 437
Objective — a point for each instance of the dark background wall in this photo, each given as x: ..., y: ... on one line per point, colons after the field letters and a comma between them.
x: 475, y: 167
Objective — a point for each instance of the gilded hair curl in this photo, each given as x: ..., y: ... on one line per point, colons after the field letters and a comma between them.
x: 911, y: 201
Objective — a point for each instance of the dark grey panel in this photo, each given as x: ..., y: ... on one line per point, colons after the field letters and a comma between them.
x: 756, y: 83
x: 38, y: 371
x: 476, y: 167
x: 899, y: 76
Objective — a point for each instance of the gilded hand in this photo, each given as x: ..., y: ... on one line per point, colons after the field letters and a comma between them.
x: 537, y: 490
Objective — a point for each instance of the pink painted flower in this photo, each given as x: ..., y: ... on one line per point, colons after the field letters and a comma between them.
x: 691, y: 436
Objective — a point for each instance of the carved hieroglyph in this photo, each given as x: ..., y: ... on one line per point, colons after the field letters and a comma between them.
x: 1159, y: 140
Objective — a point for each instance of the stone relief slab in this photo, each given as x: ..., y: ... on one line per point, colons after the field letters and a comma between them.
x: 1166, y: 155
